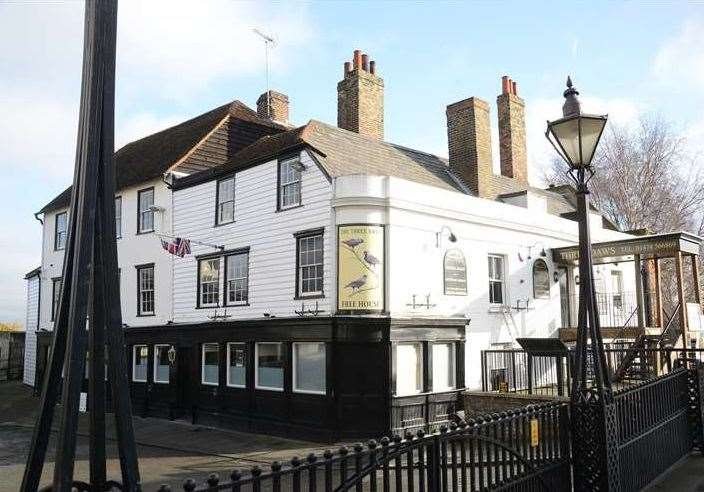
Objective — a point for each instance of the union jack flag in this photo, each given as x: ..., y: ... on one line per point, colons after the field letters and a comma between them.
x: 178, y: 246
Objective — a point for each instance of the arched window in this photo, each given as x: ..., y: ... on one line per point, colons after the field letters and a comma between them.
x: 541, y: 280
x: 455, y: 273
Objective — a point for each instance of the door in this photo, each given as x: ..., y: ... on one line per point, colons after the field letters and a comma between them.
x: 185, y: 380
x: 564, y: 296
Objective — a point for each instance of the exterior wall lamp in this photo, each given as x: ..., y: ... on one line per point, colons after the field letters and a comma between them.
x: 438, y: 236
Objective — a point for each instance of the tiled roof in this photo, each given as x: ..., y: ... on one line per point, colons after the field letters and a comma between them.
x: 342, y: 152
x: 149, y: 157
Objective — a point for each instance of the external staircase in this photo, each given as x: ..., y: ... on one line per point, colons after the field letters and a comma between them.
x: 643, y: 358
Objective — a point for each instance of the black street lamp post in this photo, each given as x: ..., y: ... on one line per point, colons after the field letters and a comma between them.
x: 575, y: 138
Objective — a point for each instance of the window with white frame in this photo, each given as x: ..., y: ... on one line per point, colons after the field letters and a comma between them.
x: 161, y: 363
x: 309, y: 367
x: 289, y: 182
x: 210, y: 367
x: 497, y: 276
x: 236, y: 365
x: 269, y: 370
x: 55, y: 295
x: 541, y: 280
x: 140, y: 359
x: 310, y: 265
x: 60, y: 228
x: 118, y: 217
x: 145, y: 290
x: 145, y: 219
x: 237, y: 278
x: 408, y: 360
x: 226, y: 200
x: 209, y: 281
x: 443, y: 355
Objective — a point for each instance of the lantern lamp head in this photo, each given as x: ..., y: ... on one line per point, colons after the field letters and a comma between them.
x: 172, y: 354
x: 575, y: 136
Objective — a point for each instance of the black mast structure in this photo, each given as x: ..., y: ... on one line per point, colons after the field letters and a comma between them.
x: 89, y: 320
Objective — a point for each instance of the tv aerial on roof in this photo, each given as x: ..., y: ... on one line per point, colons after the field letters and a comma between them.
x: 268, y: 41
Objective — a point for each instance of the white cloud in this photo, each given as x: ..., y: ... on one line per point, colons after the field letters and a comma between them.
x: 680, y: 61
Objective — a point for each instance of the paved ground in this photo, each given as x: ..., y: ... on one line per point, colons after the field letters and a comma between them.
x: 687, y: 475
x: 169, y: 452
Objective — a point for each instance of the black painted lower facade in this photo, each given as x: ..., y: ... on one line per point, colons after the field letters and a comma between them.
x: 358, y: 397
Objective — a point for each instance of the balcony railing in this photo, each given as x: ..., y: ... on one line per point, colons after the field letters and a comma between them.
x: 616, y: 309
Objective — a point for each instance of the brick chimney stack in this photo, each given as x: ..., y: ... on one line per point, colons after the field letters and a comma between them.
x: 469, y: 142
x: 512, y: 132
x: 360, y: 97
x: 274, y: 106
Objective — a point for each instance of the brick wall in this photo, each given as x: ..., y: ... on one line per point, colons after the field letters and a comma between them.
x: 274, y: 107
x: 512, y: 132
x: 360, y: 98
x: 469, y: 144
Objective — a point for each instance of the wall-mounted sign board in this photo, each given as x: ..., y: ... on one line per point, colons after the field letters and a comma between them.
x: 360, y: 268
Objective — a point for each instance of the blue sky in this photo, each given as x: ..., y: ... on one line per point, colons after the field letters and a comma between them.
x: 179, y: 59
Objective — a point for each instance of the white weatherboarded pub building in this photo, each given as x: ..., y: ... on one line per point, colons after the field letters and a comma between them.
x: 338, y: 284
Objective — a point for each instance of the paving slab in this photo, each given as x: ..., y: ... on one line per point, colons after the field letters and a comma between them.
x: 169, y: 452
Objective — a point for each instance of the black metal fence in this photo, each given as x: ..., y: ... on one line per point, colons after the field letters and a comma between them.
x: 526, y: 449
x: 653, y: 428
x: 515, y: 371
x: 426, y: 411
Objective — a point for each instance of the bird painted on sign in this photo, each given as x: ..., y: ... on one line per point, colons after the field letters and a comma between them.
x: 371, y: 259
x: 353, y: 242
x: 357, y: 284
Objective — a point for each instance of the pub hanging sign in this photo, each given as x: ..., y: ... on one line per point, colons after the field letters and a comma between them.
x: 360, y: 263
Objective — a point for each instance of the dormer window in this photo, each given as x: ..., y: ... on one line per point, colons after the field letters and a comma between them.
x: 289, y: 182
x: 225, y: 212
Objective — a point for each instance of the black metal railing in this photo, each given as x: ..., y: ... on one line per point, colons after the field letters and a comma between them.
x: 524, y: 449
x: 516, y: 371
x: 653, y: 429
x: 426, y: 411
x: 616, y: 309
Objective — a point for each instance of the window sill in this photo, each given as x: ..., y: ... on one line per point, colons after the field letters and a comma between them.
x: 219, y: 224
x: 147, y: 315
x: 234, y: 386
x: 209, y: 307
x: 315, y: 393
x: 292, y: 207
x: 312, y: 296
x: 214, y: 385
x: 142, y: 233
x: 244, y: 304
x: 264, y: 388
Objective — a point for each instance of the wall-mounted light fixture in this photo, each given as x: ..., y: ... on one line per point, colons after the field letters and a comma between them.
x: 438, y: 236
x: 556, y: 276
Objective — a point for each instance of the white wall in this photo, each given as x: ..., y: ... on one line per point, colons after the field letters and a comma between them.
x: 30, y: 327
x: 415, y: 213
x: 268, y: 234
x: 132, y: 249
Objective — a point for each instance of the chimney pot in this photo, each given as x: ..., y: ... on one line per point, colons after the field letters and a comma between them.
x: 505, y: 85
x: 514, y: 87
x: 372, y: 67
x: 348, y: 68
x: 365, y: 62
x: 357, y: 59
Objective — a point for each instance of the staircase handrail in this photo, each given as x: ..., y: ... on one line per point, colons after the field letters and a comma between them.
x: 622, y: 330
x: 666, y: 329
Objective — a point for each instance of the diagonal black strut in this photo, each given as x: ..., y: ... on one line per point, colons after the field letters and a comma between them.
x: 89, y: 295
